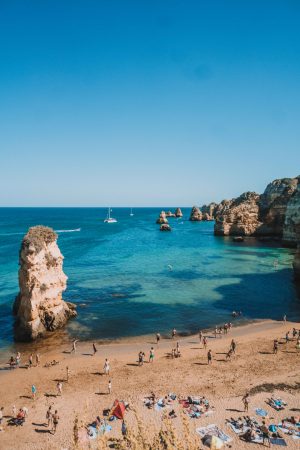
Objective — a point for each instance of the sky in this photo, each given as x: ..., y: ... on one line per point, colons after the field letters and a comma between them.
x: 143, y: 103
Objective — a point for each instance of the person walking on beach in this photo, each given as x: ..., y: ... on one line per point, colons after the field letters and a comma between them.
x: 37, y: 359
x: 33, y: 392
x: 18, y: 359
x: 59, y: 387
x: 124, y: 429
x: 265, y: 433
x: 74, y: 346
x: 174, y: 333
x: 151, y: 355
x: 109, y: 387
x: 49, y: 416
x: 94, y: 349
x: 246, y: 401
x: 233, y: 346
x: 216, y: 331
x: 209, y: 357
x: 157, y: 338
x: 200, y: 336
x: 298, y: 346
x: 30, y: 361
x: 205, y: 342
x: 106, y: 367
x: 275, y: 346
x: 67, y: 373
x: 284, y: 318
x: 229, y: 354
x: 55, y: 419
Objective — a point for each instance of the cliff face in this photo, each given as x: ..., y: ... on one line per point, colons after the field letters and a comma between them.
x: 273, y: 205
x: 274, y: 213
x: 208, y: 211
x: 39, y: 306
x: 239, y: 216
x: 292, y: 217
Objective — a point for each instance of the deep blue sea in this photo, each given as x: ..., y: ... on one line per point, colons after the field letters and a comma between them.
x: 131, y: 279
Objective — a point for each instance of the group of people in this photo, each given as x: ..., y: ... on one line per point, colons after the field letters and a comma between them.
x: 293, y: 335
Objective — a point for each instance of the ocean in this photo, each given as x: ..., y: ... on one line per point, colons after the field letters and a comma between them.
x: 130, y: 279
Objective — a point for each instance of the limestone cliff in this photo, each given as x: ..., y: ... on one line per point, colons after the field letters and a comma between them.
x: 292, y: 217
x: 208, y: 211
x: 39, y: 306
x: 196, y: 214
x: 239, y: 216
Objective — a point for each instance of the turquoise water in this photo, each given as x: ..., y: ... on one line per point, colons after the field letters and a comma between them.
x: 119, y: 274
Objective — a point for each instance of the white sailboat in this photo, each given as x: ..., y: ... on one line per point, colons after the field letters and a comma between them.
x: 110, y: 219
x: 131, y: 213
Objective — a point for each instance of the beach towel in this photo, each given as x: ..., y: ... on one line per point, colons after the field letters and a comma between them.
x: 278, y: 441
x: 261, y: 412
x: 213, y: 430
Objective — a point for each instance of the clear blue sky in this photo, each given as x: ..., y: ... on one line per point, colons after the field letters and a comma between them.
x: 162, y: 102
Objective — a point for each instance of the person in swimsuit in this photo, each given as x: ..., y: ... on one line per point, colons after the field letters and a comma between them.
x: 209, y: 357
x: 151, y: 355
x: 55, y: 418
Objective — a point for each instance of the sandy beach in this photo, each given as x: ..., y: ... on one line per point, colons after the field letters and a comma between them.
x: 254, y: 368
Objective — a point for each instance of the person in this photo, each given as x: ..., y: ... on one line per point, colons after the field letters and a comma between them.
x: 124, y: 428
x: 265, y: 433
x: 33, y: 391
x: 109, y: 387
x: 209, y: 357
x: 59, y: 387
x: 246, y: 401
x: 157, y: 338
x: 229, y: 354
x: 18, y: 359
x: 49, y: 416
x: 298, y: 346
x: 68, y: 373
x: 37, y: 359
x: 173, y: 333
x: 294, y: 333
x: 74, y: 346
x: 233, y: 346
x: 94, y: 349
x: 151, y: 355
x: 30, y: 361
x: 287, y: 338
x: 106, y: 367
x: 284, y: 318
x: 1, y: 415
x: 55, y: 419
x: 216, y: 331
x: 200, y: 336
x: 205, y: 342
x: 275, y: 346
x: 173, y: 353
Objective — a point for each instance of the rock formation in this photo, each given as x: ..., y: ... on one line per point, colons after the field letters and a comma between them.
x: 178, y: 212
x: 170, y: 214
x: 196, y: 214
x: 240, y: 217
x: 208, y: 211
x: 292, y: 218
x: 275, y: 213
x: 165, y: 227
x: 162, y: 218
x: 39, y: 306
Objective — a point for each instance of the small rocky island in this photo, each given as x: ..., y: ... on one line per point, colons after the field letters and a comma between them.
x: 39, y: 307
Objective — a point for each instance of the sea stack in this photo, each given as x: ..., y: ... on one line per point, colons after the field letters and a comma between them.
x: 165, y: 227
x: 196, y: 214
x: 39, y: 307
x: 162, y: 218
x: 178, y: 212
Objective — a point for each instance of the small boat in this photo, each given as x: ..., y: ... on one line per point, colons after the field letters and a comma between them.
x: 109, y: 219
x: 131, y: 213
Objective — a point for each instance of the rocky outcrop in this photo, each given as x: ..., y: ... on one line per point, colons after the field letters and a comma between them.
x: 238, y: 217
x: 165, y: 227
x: 178, y: 212
x: 162, y: 218
x: 274, y: 214
x: 292, y: 218
x: 39, y: 306
x: 196, y: 214
x: 208, y: 211
x: 273, y: 205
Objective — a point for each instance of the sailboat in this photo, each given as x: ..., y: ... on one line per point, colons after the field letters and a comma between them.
x: 110, y: 219
x: 131, y: 213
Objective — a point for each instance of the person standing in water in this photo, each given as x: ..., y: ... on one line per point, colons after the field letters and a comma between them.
x: 174, y: 333
x: 157, y: 338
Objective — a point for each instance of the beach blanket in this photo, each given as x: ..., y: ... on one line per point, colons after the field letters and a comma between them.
x: 277, y: 403
x: 261, y: 412
x: 213, y: 430
x: 278, y: 441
